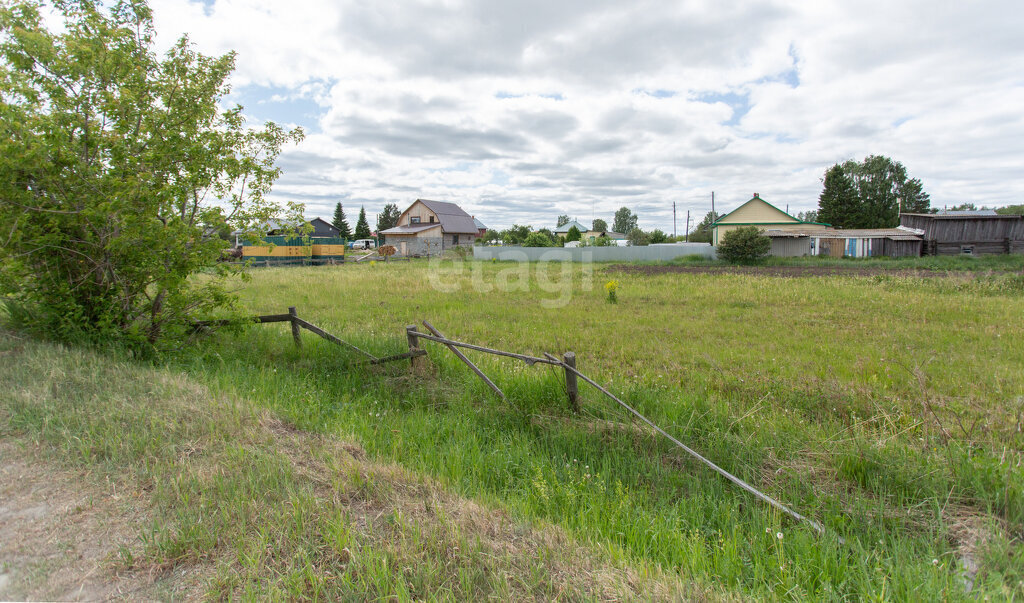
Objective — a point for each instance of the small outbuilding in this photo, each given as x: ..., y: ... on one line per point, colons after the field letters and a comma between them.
x: 968, y: 233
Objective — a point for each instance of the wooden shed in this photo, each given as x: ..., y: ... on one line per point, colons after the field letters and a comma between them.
x: 969, y: 233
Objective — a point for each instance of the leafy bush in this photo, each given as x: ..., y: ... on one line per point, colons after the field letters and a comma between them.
x: 120, y: 169
x: 574, y: 234
x: 744, y: 245
x: 537, y: 239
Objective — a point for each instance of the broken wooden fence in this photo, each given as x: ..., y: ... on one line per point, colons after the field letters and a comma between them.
x: 567, y: 363
x: 298, y: 324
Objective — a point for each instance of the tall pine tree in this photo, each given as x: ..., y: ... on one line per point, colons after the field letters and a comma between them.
x: 341, y: 223
x: 838, y: 204
x: 362, y: 226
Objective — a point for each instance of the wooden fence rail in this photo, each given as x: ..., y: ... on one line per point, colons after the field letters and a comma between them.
x: 567, y: 363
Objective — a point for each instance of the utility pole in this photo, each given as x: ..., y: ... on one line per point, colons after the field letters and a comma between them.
x: 673, y: 219
x: 687, y: 238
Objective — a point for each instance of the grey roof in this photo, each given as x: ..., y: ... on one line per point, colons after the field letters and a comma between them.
x: 961, y: 215
x: 479, y: 225
x: 452, y: 217
x: 967, y: 212
x: 896, y: 234
x: 411, y: 229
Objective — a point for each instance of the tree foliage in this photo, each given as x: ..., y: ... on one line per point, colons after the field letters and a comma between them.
x: 562, y: 220
x: 117, y: 168
x: 657, y: 236
x: 362, y: 226
x: 515, y: 234
x: 744, y: 245
x: 600, y: 225
x: 574, y: 234
x: 838, y: 204
x: 1011, y: 210
x: 625, y: 221
x: 341, y: 223
x: 388, y: 217
x: 702, y: 232
x: 807, y: 216
x: 537, y: 239
x: 881, y: 190
x: 637, y: 237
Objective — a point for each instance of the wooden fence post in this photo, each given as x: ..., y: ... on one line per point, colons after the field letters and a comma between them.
x: 295, y: 327
x: 571, y: 387
x: 413, y: 338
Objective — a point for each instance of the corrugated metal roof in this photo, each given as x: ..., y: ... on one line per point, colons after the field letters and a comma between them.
x: 411, y: 229
x: 967, y: 212
x: 565, y: 227
x: 896, y: 234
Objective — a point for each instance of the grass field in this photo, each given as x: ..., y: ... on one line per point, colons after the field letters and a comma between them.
x: 889, y: 408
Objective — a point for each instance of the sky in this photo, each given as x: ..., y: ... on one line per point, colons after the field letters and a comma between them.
x: 521, y: 111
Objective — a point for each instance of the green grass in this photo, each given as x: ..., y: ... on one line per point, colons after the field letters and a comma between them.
x: 959, y: 263
x: 888, y: 408
x: 273, y: 513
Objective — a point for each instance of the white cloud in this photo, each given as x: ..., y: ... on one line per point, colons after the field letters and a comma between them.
x: 521, y: 111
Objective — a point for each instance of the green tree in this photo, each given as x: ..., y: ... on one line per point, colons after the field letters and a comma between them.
x: 113, y: 162
x: 388, y: 217
x: 657, y: 236
x: 807, y: 216
x: 562, y: 220
x: 838, y: 203
x: 362, y: 226
x: 515, y: 234
x: 600, y: 225
x: 744, y: 245
x: 964, y: 207
x: 702, y: 232
x: 1011, y: 210
x: 341, y: 223
x: 537, y: 239
x: 574, y: 234
x: 882, y: 190
x: 637, y: 237
x: 625, y: 221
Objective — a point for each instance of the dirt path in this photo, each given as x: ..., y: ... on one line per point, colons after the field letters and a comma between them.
x: 60, y: 535
x: 787, y: 271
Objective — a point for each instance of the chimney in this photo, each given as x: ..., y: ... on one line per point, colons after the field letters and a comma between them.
x: 756, y: 196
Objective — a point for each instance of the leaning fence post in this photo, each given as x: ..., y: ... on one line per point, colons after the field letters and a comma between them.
x: 295, y: 326
x: 571, y: 388
x: 413, y: 338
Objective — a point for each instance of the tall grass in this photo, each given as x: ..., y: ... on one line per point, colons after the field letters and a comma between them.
x: 888, y: 410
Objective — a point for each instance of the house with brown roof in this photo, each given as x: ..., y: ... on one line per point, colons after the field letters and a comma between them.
x: 428, y: 227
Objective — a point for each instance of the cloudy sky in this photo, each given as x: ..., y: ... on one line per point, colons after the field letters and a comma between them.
x: 521, y: 110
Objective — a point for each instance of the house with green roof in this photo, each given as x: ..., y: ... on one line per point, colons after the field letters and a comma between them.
x: 764, y: 215
x: 564, y: 228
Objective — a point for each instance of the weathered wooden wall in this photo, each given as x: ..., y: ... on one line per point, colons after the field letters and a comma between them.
x: 987, y: 234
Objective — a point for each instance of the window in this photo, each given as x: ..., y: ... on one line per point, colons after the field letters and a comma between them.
x: 414, y: 219
x: 431, y: 219
x: 455, y: 239
x: 967, y: 249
